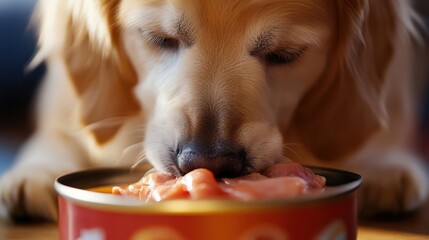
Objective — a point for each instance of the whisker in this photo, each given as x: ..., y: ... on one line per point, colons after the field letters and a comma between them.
x: 285, y: 159
x: 139, y: 131
x: 286, y: 146
x: 128, y: 152
x: 141, y: 162
x: 133, y: 147
x: 294, y: 144
x: 164, y: 128
x: 106, y: 122
x: 138, y: 163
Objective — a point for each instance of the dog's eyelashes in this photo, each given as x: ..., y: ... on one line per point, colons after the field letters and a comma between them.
x: 286, y: 56
x: 160, y: 40
x: 279, y: 58
x: 166, y: 43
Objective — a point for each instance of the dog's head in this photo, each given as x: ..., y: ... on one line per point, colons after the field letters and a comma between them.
x: 222, y: 83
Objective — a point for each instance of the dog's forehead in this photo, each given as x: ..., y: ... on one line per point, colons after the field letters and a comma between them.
x: 224, y: 13
x: 295, y: 21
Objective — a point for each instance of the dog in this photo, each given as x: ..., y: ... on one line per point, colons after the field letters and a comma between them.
x: 233, y: 86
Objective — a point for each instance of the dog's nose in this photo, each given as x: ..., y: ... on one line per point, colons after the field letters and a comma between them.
x: 223, y: 159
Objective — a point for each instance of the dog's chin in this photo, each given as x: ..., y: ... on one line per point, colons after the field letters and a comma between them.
x: 255, y: 147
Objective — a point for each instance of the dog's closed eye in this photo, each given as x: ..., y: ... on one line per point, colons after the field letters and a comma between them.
x: 168, y: 43
x: 159, y: 40
x: 265, y: 50
x: 283, y: 56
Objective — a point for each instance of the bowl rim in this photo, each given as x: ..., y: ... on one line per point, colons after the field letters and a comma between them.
x: 342, y: 184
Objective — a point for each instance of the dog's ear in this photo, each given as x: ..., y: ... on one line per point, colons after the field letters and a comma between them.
x: 83, y: 35
x: 346, y: 106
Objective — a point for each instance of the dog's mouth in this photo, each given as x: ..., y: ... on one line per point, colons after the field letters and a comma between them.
x: 251, y: 147
x: 223, y: 159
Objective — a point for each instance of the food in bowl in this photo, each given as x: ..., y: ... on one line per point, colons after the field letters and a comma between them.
x: 283, y: 180
x: 330, y: 214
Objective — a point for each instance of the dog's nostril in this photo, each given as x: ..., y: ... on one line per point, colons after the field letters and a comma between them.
x: 223, y: 159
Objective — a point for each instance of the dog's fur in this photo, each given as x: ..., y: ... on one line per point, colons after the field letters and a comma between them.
x: 246, y: 83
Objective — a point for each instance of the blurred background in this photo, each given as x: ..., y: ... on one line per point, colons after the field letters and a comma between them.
x: 18, y: 86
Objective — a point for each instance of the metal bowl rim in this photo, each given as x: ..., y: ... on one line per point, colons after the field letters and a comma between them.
x: 133, y: 205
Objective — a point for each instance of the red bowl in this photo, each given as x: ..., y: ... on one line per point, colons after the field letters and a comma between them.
x: 84, y: 214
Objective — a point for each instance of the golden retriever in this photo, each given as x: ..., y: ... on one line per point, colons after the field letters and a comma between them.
x: 229, y: 85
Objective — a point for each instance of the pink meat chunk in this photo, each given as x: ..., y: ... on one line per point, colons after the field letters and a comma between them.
x: 283, y: 180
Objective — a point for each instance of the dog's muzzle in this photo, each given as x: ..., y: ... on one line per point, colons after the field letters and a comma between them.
x: 222, y: 158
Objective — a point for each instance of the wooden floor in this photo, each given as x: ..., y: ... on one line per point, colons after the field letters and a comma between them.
x: 412, y: 227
